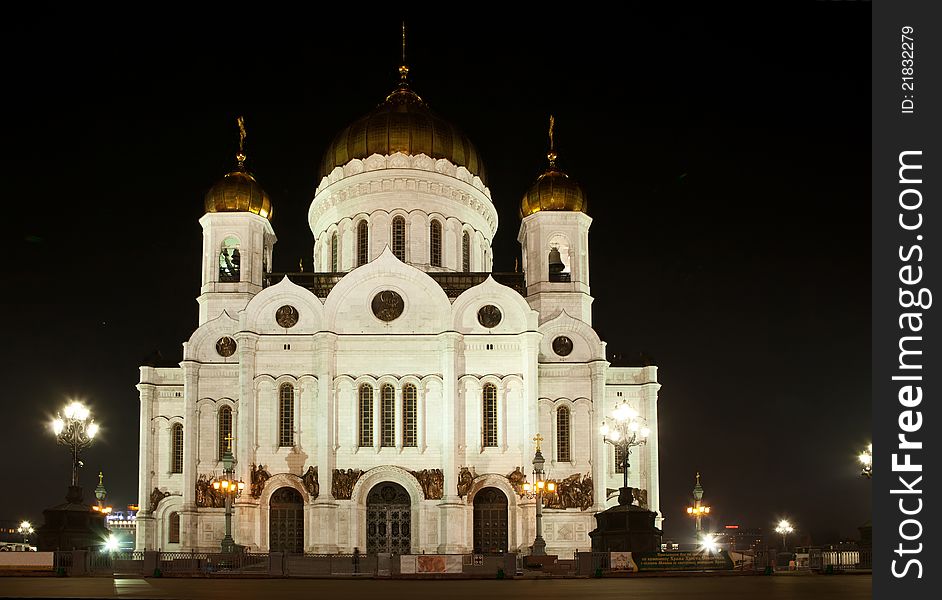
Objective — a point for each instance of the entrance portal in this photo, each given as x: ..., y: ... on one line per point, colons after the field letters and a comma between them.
x: 388, y: 519
x: 490, y: 521
x: 286, y: 521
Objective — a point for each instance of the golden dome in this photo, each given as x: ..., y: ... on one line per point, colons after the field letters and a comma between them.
x: 402, y: 123
x: 553, y: 190
x: 238, y: 192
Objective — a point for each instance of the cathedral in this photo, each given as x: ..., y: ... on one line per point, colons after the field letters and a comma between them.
x: 390, y: 400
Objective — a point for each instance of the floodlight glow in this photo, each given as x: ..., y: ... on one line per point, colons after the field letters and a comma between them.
x: 111, y: 544
x: 621, y: 412
x: 70, y: 410
x: 92, y: 429
x: 708, y: 543
x: 634, y: 426
x: 604, y: 428
x: 865, y: 458
x: 645, y: 432
x: 57, y: 426
x: 615, y: 435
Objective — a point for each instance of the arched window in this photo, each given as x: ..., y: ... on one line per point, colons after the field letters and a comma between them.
x: 286, y: 415
x: 399, y: 238
x: 435, y: 243
x: 229, y: 261
x: 173, y: 528
x: 619, y: 460
x: 409, y: 412
x: 363, y: 242
x: 225, y: 430
x: 387, y: 415
x: 489, y: 398
x: 466, y: 252
x: 334, y: 253
x: 176, y: 448
x: 366, y: 415
x: 562, y: 435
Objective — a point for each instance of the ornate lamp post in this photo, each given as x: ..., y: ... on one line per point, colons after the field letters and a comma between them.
x: 866, y: 462
x: 25, y: 529
x: 626, y: 431
x: 784, y: 527
x: 232, y: 489
x: 75, y: 428
x: 698, y: 510
x: 537, y: 489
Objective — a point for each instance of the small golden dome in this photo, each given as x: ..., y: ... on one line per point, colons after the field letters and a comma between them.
x: 238, y: 192
x: 553, y: 190
x: 402, y: 123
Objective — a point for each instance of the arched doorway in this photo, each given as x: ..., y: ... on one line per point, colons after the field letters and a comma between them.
x: 490, y: 521
x: 388, y: 519
x: 286, y: 521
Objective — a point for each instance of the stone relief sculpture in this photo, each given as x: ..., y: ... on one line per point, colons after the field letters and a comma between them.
x: 341, y: 484
x: 309, y: 479
x: 206, y: 496
x: 432, y: 482
x: 465, y: 479
x: 516, y: 479
x: 641, y: 497
x: 155, y: 497
x: 259, y: 476
x: 574, y: 491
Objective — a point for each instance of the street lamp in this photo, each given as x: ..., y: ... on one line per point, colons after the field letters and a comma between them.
x: 626, y: 431
x: 26, y: 529
x: 536, y: 490
x: 76, y: 429
x: 784, y: 527
x: 866, y: 462
x: 698, y: 510
x: 232, y: 489
x: 101, y: 493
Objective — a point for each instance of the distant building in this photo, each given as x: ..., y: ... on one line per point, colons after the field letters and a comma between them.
x: 739, y: 539
x: 123, y: 524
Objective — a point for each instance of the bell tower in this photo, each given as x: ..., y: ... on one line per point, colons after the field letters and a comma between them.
x: 554, y: 240
x: 237, y: 240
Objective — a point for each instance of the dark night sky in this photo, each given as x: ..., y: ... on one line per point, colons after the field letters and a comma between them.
x: 726, y: 156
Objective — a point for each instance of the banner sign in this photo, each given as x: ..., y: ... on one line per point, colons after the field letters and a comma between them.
x: 670, y: 561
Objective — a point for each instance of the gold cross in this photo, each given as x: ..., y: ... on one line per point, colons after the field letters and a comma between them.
x: 552, y: 126
x: 538, y: 438
x: 229, y: 439
x: 240, y: 157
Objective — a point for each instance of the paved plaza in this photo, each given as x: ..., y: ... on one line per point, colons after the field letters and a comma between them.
x: 780, y: 587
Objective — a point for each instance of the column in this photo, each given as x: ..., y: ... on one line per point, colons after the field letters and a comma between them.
x: 323, y: 535
x: 189, y: 525
x: 649, y: 396
x: 145, y: 521
x: 452, y: 539
x: 246, y: 507
x: 599, y: 455
x: 531, y: 394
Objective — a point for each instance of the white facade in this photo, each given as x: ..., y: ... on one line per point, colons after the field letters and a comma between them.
x: 437, y: 345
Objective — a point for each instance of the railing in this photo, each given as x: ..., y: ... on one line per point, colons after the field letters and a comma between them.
x: 453, y: 283
x: 314, y: 565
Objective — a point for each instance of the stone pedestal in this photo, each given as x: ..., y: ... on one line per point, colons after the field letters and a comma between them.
x: 626, y: 527
x: 72, y: 526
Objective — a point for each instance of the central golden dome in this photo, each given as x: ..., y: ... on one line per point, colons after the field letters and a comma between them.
x: 402, y: 123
